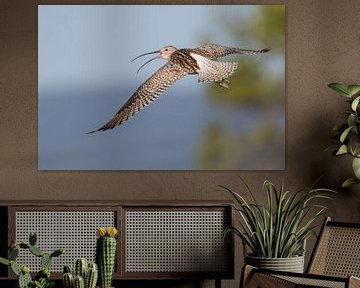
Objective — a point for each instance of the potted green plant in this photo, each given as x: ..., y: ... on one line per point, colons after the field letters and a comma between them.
x: 84, y: 274
x: 42, y: 278
x: 348, y: 133
x: 276, y: 233
x: 106, y: 254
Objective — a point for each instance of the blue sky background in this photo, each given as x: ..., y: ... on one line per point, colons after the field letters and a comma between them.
x: 85, y: 75
x: 83, y: 44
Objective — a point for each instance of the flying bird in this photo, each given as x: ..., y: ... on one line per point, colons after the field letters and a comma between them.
x: 180, y: 62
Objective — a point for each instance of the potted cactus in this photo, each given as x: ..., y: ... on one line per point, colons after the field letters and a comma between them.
x: 42, y: 278
x: 106, y: 254
x: 84, y: 275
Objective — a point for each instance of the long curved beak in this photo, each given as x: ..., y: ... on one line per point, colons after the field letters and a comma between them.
x: 153, y: 52
x: 157, y: 51
x: 156, y: 57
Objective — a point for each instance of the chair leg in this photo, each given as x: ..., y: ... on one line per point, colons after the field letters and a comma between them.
x: 246, y: 274
x: 217, y: 283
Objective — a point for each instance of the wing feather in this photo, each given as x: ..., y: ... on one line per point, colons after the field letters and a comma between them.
x: 149, y: 91
x: 215, y: 51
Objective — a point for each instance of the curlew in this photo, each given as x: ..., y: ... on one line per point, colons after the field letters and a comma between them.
x: 180, y: 62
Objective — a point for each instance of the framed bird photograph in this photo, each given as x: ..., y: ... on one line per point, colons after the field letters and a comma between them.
x: 161, y: 87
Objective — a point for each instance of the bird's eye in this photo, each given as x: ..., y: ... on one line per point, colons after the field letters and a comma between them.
x: 166, y: 49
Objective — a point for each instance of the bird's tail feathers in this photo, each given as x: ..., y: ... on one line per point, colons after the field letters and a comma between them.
x: 213, y: 71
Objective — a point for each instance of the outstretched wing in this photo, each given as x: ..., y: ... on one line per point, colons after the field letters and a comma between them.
x: 149, y: 91
x: 215, y: 51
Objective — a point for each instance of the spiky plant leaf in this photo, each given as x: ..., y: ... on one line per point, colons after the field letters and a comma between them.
x: 279, y: 228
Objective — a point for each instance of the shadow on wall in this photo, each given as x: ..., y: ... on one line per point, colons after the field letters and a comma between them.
x: 330, y: 170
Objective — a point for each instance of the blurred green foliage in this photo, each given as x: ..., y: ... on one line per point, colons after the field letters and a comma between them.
x: 222, y: 149
x: 259, y: 78
x: 257, y: 143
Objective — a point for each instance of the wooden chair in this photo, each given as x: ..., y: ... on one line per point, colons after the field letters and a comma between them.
x: 335, y: 262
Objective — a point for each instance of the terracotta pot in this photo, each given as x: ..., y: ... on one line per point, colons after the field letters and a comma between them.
x: 291, y: 264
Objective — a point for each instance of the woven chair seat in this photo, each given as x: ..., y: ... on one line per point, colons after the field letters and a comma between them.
x: 314, y: 282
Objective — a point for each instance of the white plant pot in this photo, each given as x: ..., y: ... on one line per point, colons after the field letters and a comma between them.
x: 291, y: 264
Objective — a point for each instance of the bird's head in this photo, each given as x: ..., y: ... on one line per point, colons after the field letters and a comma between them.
x: 164, y: 53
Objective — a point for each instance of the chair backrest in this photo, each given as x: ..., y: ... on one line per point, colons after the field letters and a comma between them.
x: 337, y: 251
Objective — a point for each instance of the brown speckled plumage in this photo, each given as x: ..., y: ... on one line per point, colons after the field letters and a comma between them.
x: 181, y: 62
x: 215, y: 51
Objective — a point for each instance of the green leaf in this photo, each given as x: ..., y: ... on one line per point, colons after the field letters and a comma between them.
x: 355, y: 103
x: 14, y: 268
x: 349, y: 182
x: 345, y: 134
x: 351, y: 120
x: 356, y: 167
x: 353, y: 89
x: 354, y: 145
x: 340, y: 88
x: 4, y: 261
x: 342, y: 150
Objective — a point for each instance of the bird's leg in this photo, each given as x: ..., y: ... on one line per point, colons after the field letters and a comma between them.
x: 224, y: 83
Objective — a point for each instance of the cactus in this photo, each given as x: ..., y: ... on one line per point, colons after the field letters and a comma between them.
x: 24, y: 277
x: 87, y: 272
x: 42, y: 278
x: 44, y: 273
x: 79, y: 282
x: 67, y: 269
x: 36, y: 251
x: 13, y: 253
x: 14, y: 268
x: 91, y: 276
x: 32, y: 238
x: 80, y: 267
x: 105, y: 254
x: 57, y: 253
x: 68, y: 280
x: 45, y: 261
x: 24, y: 246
